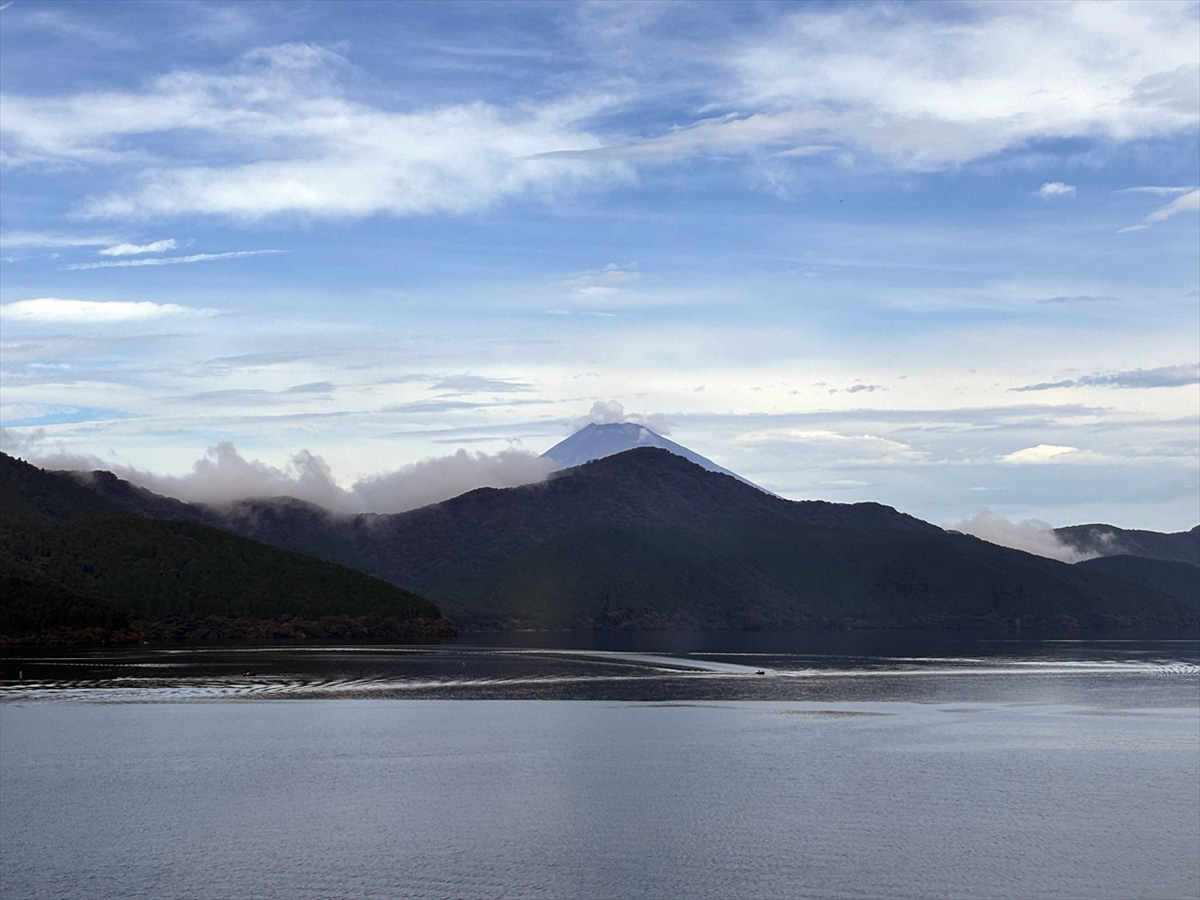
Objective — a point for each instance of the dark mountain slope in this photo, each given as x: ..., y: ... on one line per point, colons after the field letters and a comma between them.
x: 479, y: 530
x: 154, y: 569
x: 37, y: 612
x: 1108, y: 540
x: 305, y: 528
x: 645, y: 538
x: 791, y: 575
x: 1178, y: 579
x: 67, y: 540
x: 138, y: 502
x: 29, y: 495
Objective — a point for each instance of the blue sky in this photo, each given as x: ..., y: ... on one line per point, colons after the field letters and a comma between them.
x: 942, y: 256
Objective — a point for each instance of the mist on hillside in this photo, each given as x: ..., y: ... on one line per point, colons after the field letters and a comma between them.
x: 224, y: 475
x: 1031, y: 535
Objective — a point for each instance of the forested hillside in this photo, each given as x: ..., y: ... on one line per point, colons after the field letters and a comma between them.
x: 60, y: 540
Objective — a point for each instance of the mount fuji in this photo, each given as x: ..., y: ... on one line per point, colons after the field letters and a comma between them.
x: 597, y: 441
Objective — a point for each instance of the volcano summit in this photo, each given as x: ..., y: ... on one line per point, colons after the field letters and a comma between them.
x: 596, y: 441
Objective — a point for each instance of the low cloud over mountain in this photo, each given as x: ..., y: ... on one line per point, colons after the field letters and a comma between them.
x: 223, y: 475
x: 1031, y: 535
x: 612, y: 412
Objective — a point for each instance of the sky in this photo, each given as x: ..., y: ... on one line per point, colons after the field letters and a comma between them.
x: 941, y: 256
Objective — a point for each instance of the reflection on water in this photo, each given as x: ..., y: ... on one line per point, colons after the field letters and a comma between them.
x: 856, y: 666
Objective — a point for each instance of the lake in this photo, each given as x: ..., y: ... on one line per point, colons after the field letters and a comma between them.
x: 859, y: 764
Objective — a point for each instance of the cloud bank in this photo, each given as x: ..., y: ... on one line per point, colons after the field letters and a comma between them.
x: 1031, y: 535
x: 223, y: 475
x: 443, y: 477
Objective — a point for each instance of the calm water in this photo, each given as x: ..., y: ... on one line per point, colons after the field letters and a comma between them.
x: 876, y: 765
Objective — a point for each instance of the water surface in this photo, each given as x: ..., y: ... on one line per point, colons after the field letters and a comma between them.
x: 912, y: 767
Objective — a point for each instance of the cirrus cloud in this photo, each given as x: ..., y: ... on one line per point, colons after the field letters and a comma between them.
x: 925, y: 94
x: 135, y: 249
x: 281, y: 131
x: 170, y: 260
x: 301, y: 144
x: 1186, y: 203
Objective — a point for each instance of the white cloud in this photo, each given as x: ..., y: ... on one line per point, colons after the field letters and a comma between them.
x: 57, y: 310
x: 471, y: 384
x: 224, y: 475
x: 1055, y: 189
x: 926, y: 91
x: 135, y: 249
x: 171, y: 260
x: 65, y: 24
x: 608, y: 412
x: 602, y: 285
x: 1030, y: 535
x: 302, y: 145
x: 440, y: 478
x: 218, y: 22
x: 14, y: 239
x: 728, y: 133
x: 1186, y: 203
x: 794, y: 447
x: 1042, y: 453
x: 278, y: 132
x: 1157, y: 190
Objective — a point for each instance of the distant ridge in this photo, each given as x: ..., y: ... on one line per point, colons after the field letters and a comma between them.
x: 643, y: 539
x: 1169, y: 562
x: 1179, y: 579
x: 597, y: 441
x: 646, y: 539
x: 1109, y: 540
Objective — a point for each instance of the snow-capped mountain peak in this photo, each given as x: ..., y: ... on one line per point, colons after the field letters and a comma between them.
x: 597, y: 441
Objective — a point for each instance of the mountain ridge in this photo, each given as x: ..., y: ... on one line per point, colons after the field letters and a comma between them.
x: 1109, y: 540
x: 647, y: 539
x: 470, y: 532
x: 1179, y: 579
